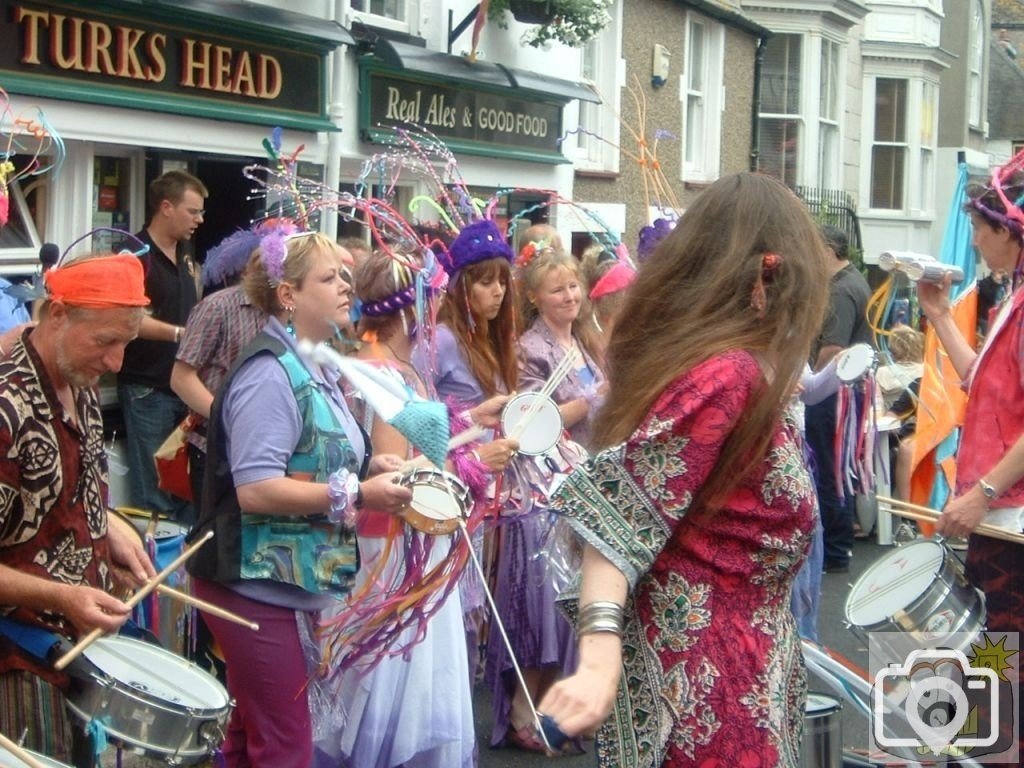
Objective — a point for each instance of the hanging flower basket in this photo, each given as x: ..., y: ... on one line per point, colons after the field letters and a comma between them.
x: 532, y: 11
x: 571, y: 22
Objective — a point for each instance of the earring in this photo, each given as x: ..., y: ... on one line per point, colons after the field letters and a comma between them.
x: 290, y: 327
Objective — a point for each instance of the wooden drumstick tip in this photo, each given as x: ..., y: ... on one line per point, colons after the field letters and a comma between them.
x: 19, y: 753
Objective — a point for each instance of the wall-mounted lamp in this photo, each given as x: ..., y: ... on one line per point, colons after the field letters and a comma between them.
x: 660, y: 61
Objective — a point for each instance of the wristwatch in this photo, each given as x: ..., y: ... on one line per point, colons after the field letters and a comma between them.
x: 987, y: 489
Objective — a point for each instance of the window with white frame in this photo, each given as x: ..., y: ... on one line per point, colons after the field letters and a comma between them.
x: 829, y: 171
x: 889, y: 149
x: 588, y: 140
x: 598, y: 125
x: 975, y: 62
x: 702, y: 99
x: 780, y: 123
x: 929, y: 124
x: 389, y: 14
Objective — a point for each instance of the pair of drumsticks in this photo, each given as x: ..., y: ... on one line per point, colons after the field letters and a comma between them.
x: 928, y: 515
x: 157, y: 584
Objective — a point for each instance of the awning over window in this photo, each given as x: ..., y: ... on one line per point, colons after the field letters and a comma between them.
x: 414, y: 58
x: 266, y: 17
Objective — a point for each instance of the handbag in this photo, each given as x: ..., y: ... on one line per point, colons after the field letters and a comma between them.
x: 171, y: 460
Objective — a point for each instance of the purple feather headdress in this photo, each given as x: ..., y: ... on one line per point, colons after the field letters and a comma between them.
x: 227, y: 259
x: 651, y: 236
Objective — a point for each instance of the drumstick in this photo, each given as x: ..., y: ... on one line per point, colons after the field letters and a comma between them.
x: 210, y: 608
x: 19, y: 753
x: 134, y: 600
x: 929, y: 515
x: 467, y: 435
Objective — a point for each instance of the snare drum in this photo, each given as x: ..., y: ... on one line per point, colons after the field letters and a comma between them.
x: 919, y: 589
x: 439, y: 501
x: 853, y: 363
x: 822, y: 744
x: 544, y: 426
x: 152, y: 701
x: 7, y: 760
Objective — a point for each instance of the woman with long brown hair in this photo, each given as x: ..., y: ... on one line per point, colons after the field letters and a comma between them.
x: 472, y: 359
x: 698, y: 509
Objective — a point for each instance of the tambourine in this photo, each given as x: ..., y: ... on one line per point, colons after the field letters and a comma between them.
x: 543, y: 422
x: 853, y: 363
x: 440, y: 501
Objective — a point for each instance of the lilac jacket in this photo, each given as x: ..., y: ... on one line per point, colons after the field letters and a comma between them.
x: 539, y: 355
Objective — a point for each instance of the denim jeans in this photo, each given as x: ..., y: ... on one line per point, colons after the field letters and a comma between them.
x: 837, y: 509
x: 149, y: 417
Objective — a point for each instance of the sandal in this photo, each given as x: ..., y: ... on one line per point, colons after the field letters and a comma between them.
x: 525, y: 738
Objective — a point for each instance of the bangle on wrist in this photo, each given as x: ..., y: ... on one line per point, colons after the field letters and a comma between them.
x: 345, y: 496
x: 600, y: 616
x: 177, y: 334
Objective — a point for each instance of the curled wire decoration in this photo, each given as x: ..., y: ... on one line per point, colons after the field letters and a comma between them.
x: 28, y: 137
x: 141, y: 250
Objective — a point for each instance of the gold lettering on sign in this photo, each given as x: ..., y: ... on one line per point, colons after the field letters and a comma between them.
x: 30, y: 21
x: 189, y: 64
x: 271, y: 79
x: 128, y: 64
x: 86, y: 45
x: 155, y: 45
x: 66, y: 48
x: 100, y: 38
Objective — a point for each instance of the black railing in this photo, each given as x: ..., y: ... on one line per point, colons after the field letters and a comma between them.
x: 836, y: 207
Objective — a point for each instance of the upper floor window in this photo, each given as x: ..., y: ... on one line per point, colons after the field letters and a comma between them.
x: 702, y: 83
x: 598, y: 134
x: 975, y: 63
x: 889, y: 147
x: 780, y: 121
x: 388, y: 14
x: 829, y: 172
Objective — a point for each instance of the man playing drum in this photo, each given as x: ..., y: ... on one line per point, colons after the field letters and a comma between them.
x: 60, y: 552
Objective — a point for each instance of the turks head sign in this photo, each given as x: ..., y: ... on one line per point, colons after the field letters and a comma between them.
x: 124, y: 55
x: 474, y: 121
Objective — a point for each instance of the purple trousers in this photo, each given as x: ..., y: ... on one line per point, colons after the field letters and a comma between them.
x: 271, y: 726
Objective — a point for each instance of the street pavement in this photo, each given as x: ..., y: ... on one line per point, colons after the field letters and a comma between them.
x: 833, y: 632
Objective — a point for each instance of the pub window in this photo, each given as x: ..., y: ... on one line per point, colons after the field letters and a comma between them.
x: 19, y: 237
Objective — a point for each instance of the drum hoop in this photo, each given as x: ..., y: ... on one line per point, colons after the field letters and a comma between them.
x: 853, y: 354
x: 930, y: 599
x: 432, y: 525
x: 549, y: 404
x: 151, y: 698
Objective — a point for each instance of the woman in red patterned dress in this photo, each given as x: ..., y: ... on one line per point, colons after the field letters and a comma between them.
x: 697, y: 509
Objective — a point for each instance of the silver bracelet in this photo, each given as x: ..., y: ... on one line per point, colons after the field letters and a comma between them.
x: 600, y: 616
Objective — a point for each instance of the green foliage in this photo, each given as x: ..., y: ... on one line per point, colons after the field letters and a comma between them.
x: 573, y: 22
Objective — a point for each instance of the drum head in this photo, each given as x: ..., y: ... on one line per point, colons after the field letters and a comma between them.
x: 157, y: 672
x: 854, y: 362
x: 434, y: 500
x: 894, y: 582
x: 544, y: 425
x: 7, y: 760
